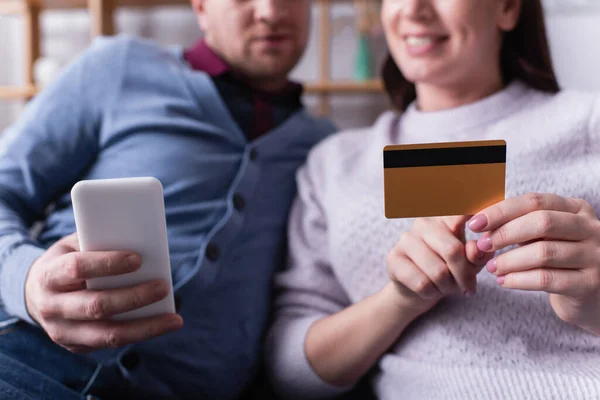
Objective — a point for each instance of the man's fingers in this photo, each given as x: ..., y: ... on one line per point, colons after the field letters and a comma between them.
x: 80, y: 266
x: 71, y: 242
x: 90, y: 305
x: 79, y: 349
x: 113, y: 334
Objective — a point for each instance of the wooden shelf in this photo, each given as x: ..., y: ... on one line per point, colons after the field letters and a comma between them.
x: 341, y: 87
x: 17, y: 93
x: 102, y: 23
x: 8, y: 7
x: 18, y: 6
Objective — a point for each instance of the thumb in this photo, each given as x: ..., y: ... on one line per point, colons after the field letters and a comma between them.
x: 456, y: 224
x: 476, y: 256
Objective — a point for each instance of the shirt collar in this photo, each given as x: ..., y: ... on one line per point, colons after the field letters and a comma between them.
x: 202, y: 58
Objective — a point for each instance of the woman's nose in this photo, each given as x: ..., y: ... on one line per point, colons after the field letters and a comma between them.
x: 416, y: 9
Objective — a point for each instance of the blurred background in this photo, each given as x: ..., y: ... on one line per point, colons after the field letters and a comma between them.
x: 341, y: 65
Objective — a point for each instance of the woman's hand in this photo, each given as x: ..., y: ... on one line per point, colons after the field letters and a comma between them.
x: 432, y: 261
x: 558, y: 253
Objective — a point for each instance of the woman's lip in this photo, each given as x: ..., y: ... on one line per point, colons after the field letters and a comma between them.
x: 424, y: 36
x: 419, y: 45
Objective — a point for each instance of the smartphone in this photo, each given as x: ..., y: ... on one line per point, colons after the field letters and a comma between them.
x: 126, y: 214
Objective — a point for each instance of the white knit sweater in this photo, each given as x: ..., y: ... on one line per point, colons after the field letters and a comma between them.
x: 501, y: 344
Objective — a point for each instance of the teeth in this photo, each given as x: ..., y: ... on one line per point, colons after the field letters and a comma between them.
x: 419, y: 40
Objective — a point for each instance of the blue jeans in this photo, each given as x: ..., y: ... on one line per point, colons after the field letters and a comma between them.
x: 34, y: 367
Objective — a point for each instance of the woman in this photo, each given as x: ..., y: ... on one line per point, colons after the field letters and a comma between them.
x: 421, y: 319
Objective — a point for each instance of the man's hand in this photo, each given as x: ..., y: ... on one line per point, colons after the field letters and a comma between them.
x: 77, y: 318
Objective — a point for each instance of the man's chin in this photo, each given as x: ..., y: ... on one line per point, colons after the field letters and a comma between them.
x: 271, y: 70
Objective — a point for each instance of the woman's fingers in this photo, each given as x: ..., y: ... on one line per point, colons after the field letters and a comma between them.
x: 567, y: 282
x: 541, y: 254
x: 430, y: 264
x: 547, y: 225
x: 453, y: 253
x: 477, y: 257
x: 405, y: 272
x: 507, y: 210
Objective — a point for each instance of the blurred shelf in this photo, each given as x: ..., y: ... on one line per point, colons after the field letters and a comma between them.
x: 19, y: 6
x: 341, y: 87
x: 102, y: 23
x: 8, y: 7
x: 17, y: 93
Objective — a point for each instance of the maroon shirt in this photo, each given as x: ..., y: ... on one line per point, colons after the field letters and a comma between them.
x: 254, y: 111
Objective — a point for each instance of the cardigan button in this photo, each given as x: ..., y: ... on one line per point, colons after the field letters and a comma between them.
x: 253, y: 155
x: 212, y: 252
x: 238, y: 202
x: 130, y: 360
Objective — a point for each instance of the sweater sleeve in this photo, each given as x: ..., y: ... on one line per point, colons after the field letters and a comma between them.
x: 43, y: 154
x: 307, y: 290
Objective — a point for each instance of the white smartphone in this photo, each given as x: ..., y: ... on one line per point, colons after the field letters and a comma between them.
x: 126, y: 214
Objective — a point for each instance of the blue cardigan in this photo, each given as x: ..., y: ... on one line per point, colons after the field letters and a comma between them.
x: 129, y: 108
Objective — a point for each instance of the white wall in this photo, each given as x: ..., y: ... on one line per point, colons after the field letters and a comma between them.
x: 573, y: 40
x: 575, y: 49
x: 9, y: 65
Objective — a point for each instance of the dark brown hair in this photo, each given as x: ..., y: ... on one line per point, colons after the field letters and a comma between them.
x: 525, y: 56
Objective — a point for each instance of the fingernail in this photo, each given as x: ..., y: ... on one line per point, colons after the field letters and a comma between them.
x: 134, y: 261
x: 176, y: 323
x: 478, y: 222
x: 470, y: 293
x: 485, y: 243
x: 160, y: 289
x: 491, y: 265
x: 500, y: 280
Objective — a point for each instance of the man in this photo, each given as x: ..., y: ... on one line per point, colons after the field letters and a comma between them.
x: 224, y: 130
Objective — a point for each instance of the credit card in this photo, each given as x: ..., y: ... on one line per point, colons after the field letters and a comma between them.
x: 442, y: 179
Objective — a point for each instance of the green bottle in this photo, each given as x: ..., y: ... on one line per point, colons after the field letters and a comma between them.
x: 363, y: 66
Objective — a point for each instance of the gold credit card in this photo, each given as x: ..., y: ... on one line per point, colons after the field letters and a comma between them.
x: 440, y: 179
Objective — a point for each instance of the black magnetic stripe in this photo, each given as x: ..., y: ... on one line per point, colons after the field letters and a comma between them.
x: 448, y: 156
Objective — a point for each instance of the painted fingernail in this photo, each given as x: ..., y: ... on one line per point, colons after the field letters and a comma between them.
x: 500, y: 280
x: 478, y: 222
x: 491, y: 265
x: 485, y: 243
x: 470, y: 293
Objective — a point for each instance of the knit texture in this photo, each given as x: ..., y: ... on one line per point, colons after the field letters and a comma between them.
x: 501, y: 344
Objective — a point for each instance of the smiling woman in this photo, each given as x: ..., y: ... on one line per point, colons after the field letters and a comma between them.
x: 408, y: 302
x: 524, y: 54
